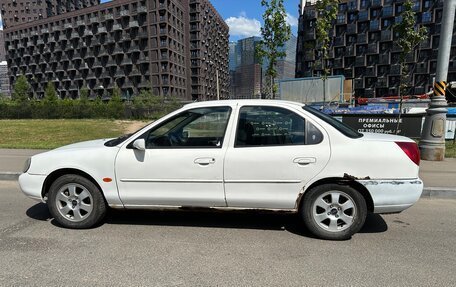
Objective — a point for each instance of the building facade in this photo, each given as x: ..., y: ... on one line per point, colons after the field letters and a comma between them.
x: 364, y: 46
x: 132, y: 44
x: 23, y: 11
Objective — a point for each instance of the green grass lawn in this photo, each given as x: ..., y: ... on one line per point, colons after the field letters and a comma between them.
x: 48, y: 134
x: 450, y: 149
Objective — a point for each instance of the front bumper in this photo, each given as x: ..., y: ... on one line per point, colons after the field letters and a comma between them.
x: 391, y: 196
x: 32, y: 185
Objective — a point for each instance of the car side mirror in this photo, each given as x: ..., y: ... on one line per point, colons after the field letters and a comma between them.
x: 139, y: 144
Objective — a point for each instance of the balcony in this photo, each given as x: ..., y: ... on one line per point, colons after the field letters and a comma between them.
x: 362, y: 38
x: 111, y: 63
x: 134, y: 49
x: 118, y: 51
x: 370, y: 72
x: 382, y: 82
x: 338, y: 63
x: 395, y: 69
x: 360, y: 61
x: 88, y: 33
x: 91, y: 76
x: 135, y: 73
x: 119, y: 73
x: 410, y: 58
x: 97, y: 65
x: 142, y: 9
x: 116, y: 27
x: 426, y: 44
x: 102, y: 30
x: 67, y: 26
x: 384, y: 59
x: 349, y: 73
x: 108, y: 17
x: 352, y: 29
x: 124, y: 13
x: 309, y: 56
x: 349, y: 51
x: 386, y: 35
x: 359, y: 83
x: 143, y: 60
x: 74, y: 35
x: 363, y: 16
x: 126, y: 62
x: 372, y: 48
x: 422, y: 68
x: 376, y: 3
x: 339, y: 41
x: 133, y: 24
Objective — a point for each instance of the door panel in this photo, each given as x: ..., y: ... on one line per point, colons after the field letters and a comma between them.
x: 171, y: 177
x: 182, y: 164
x: 276, y: 152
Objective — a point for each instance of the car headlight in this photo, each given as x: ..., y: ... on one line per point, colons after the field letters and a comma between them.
x: 27, y: 164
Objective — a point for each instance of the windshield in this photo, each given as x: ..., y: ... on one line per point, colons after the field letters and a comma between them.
x: 338, y: 125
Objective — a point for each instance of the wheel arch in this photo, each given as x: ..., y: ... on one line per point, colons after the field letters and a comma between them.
x: 342, y: 181
x: 59, y: 172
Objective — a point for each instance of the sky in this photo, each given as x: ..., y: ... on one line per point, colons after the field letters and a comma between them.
x: 244, y: 17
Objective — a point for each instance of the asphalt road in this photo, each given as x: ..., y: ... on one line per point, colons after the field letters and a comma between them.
x: 415, y: 248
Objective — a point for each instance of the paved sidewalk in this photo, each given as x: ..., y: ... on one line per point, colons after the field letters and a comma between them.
x: 439, y: 177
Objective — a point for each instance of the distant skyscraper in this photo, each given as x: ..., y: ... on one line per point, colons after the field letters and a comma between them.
x: 247, y: 75
x: 16, y: 12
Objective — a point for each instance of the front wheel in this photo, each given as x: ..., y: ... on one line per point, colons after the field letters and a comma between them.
x: 333, y: 211
x: 75, y: 202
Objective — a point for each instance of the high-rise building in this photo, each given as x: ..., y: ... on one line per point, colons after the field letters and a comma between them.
x: 248, y: 75
x: 173, y: 47
x: 246, y: 78
x: 21, y: 11
x: 4, y: 78
x: 2, y: 47
x: 365, y: 46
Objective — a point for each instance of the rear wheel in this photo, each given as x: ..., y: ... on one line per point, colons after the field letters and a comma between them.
x: 75, y: 202
x: 333, y: 211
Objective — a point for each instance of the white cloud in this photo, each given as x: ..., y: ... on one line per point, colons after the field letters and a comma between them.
x: 243, y: 26
x: 291, y: 20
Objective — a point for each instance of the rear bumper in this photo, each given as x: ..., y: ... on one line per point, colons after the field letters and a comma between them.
x: 31, y: 185
x: 390, y: 196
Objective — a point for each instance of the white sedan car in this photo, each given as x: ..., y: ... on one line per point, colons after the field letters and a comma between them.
x: 247, y: 154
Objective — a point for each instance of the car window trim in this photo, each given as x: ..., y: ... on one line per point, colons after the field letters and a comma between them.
x: 272, y: 145
x: 143, y: 136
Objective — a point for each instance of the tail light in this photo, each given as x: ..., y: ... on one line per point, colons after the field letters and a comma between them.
x: 411, y: 150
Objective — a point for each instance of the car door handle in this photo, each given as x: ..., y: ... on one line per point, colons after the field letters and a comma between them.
x: 305, y: 160
x: 205, y: 160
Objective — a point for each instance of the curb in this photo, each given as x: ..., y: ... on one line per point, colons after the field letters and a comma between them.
x: 428, y: 192
x: 439, y: 192
x: 9, y: 175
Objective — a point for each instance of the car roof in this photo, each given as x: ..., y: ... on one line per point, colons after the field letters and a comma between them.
x: 253, y: 102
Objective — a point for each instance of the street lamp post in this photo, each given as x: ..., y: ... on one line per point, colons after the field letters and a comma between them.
x: 432, y: 144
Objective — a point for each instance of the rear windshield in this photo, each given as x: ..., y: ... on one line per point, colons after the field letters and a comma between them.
x: 338, y: 125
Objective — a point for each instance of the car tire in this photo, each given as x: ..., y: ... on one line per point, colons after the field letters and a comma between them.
x: 333, y: 211
x: 76, y: 202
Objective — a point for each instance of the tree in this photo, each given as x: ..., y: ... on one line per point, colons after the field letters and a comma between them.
x: 50, y: 94
x: 84, y: 94
x: 21, y: 89
x: 276, y: 32
x: 115, y: 105
x: 409, y: 36
x: 327, y: 13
